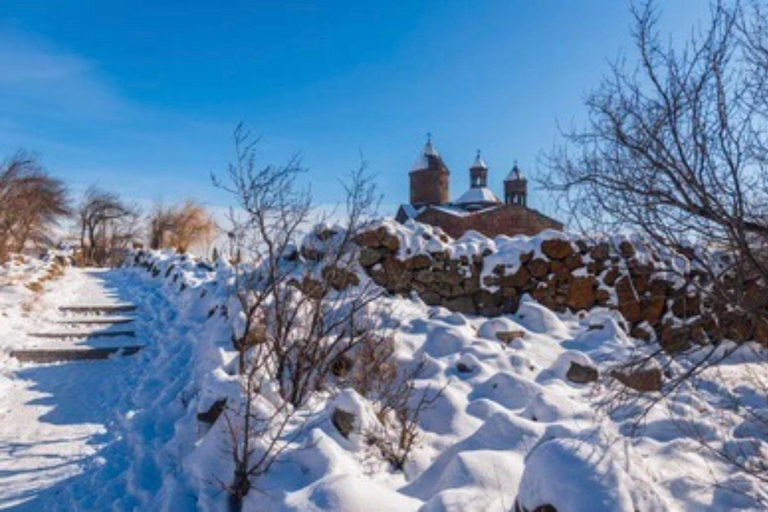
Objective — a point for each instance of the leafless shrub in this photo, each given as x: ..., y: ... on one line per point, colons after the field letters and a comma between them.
x: 301, y: 310
x: 32, y: 203
x: 107, y: 225
x: 181, y: 227
x: 258, y: 431
x: 400, y: 404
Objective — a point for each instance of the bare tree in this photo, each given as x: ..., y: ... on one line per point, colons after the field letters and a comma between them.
x: 303, y: 306
x: 181, y: 227
x: 106, y: 224
x: 676, y: 149
x: 32, y: 203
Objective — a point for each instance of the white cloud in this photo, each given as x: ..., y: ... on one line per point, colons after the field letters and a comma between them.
x: 39, y: 78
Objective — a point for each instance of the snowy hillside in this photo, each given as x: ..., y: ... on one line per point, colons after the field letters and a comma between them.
x: 513, y: 425
x: 509, y: 424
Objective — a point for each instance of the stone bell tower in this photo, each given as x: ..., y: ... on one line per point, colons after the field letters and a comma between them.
x: 429, y: 178
x: 516, y: 187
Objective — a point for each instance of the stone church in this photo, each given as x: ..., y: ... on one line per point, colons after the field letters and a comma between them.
x: 478, y: 208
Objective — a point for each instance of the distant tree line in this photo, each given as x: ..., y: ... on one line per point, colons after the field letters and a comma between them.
x: 34, y: 205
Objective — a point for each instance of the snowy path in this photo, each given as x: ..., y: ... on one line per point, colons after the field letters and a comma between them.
x: 57, y: 420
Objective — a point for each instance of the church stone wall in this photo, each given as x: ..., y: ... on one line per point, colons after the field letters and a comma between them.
x: 503, y: 220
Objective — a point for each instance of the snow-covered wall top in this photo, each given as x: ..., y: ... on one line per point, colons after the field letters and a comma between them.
x: 657, y: 291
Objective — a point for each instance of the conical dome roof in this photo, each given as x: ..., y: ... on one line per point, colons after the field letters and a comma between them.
x: 479, y: 163
x: 515, y: 174
x: 428, y: 158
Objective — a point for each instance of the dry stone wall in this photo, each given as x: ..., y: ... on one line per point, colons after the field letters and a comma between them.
x: 563, y: 273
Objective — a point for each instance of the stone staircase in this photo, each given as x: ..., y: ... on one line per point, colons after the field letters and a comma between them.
x: 83, y: 333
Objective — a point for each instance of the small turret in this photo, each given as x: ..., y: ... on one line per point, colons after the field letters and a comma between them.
x: 478, y: 196
x: 478, y: 173
x: 516, y: 187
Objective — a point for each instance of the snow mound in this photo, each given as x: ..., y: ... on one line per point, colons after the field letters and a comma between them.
x: 577, y: 476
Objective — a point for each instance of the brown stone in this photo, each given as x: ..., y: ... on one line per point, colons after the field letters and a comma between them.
x: 574, y: 261
x: 641, y: 380
x: 737, y: 327
x: 472, y: 284
x: 556, y: 248
x: 396, y: 275
x: 387, y: 239
x: 369, y: 257
x: 561, y: 272
x: 488, y: 303
x: 686, y: 306
x: 461, y: 305
x: 600, y: 252
x: 629, y: 305
x: 642, y: 333
x: 640, y: 282
x: 674, y: 339
x: 426, y: 277
x: 761, y: 332
x: 595, y: 267
x: 755, y: 297
x: 368, y: 239
x: 611, y: 276
x: 418, y: 262
x: 451, y: 276
x: 509, y: 336
x: 526, y: 257
x: 540, y: 294
x: 627, y: 250
x: 659, y: 288
x: 602, y: 297
x: 520, y: 279
x: 431, y: 298
x: 538, y: 267
x: 653, y: 308
x: 312, y: 288
x: 581, y: 374
x: 581, y: 293
x: 509, y: 292
x: 340, y: 278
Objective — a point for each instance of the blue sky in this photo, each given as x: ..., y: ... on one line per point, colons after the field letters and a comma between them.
x: 142, y: 97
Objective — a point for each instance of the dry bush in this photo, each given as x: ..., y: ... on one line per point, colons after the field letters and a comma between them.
x: 32, y: 203
x: 181, y: 227
x: 398, y: 401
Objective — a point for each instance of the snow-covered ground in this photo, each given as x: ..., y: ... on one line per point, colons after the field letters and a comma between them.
x: 123, y: 434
